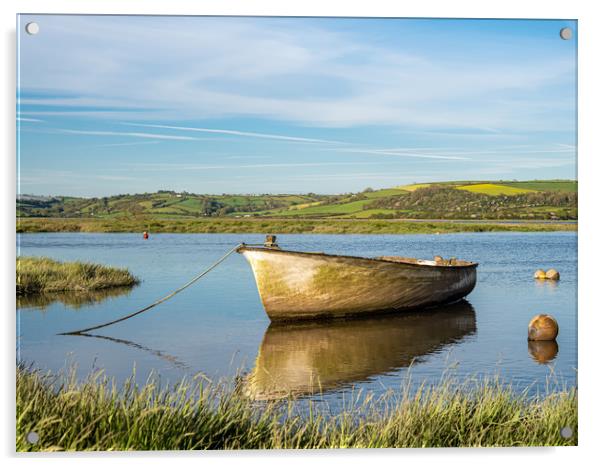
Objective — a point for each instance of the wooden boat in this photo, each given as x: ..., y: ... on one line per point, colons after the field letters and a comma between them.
x: 307, y: 357
x: 308, y: 285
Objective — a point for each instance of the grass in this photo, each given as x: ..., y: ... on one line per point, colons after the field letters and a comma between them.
x: 495, y: 189
x: 276, y: 226
x: 328, y: 209
x: 97, y: 415
x: 545, y: 185
x: 43, y: 275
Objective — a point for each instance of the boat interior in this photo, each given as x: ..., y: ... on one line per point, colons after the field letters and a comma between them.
x: 438, y: 261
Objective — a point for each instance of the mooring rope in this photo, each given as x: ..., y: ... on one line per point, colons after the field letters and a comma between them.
x: 162, y: 300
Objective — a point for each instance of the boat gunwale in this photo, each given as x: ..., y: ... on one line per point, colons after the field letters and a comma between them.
x: 245, y: 247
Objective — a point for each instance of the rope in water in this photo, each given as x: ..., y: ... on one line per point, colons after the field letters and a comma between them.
x: 162, y: 300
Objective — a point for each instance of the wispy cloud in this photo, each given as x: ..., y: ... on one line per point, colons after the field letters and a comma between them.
x: 136, y: 135
x: 401, y: 154
x: 237, y: 133
x: 32, y: 120
x: 141, y: 143
x: 310, y: 74
x: 192, y: 167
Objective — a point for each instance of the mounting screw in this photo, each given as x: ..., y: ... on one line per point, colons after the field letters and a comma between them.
x: 32, y: 437
x: 566, y: 432
x: 566, y: 33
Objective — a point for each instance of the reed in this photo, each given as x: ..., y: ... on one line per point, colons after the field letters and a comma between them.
x: 97, y: 415
x: 276, y: 226
x: 43, y: 275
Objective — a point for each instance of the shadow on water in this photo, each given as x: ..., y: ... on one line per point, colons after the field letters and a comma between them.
x: 71, y: 299
x: 306, y: 358
x: 158, y: 353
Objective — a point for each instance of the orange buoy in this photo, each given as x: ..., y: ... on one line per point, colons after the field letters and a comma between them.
x: 553, y: 274
x: 543, y: 327
x: 539, y: 275
x: 145, y: 235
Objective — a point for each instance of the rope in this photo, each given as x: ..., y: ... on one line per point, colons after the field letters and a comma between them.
x: 165, y: 298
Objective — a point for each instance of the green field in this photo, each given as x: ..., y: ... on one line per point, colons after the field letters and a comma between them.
x: 486, y: 200
x: 560, y: 185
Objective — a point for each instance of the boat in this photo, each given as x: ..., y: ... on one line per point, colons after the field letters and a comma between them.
x: 296, y: 285
x: 308, y: 357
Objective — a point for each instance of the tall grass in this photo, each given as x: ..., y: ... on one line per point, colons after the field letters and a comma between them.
x: 41, y: 274
x: 266, y: 225
x: 97, y: 415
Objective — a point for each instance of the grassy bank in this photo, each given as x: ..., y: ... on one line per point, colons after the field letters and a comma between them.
x: 43, y: 275
x: 96, y: 415
x: 341, y: 226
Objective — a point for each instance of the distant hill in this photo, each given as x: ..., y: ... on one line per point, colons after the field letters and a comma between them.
x: 539, y: 199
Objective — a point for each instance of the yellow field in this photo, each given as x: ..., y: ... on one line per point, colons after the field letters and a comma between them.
x: 413, y: 187
x: 303, y: 206
x: 495, y: 189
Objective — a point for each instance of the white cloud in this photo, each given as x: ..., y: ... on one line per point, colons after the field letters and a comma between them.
x: 136, y: 135
x: 296, y: 71
x: 32, y: 120
x: 237, y: 133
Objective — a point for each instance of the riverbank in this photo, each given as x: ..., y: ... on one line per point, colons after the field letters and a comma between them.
x: 251, y: 225
x: 95, y: 415
x: 44, y: 275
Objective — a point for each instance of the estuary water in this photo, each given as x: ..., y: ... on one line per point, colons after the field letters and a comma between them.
x: 218, y: 326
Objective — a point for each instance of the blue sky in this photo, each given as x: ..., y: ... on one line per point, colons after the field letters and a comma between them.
x: 110, y: 104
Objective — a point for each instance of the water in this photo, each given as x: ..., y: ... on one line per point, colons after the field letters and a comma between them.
x: 218, y: 326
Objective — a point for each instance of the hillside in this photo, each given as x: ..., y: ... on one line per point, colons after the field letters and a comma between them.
x: 537, y: 200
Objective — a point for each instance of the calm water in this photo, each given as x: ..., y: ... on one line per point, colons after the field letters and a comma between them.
x: 218, y: 326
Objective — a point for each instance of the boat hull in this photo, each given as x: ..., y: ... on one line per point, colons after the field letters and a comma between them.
x: 299, y: 285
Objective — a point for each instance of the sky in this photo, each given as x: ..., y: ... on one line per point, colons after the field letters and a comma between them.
x: 131, y: 104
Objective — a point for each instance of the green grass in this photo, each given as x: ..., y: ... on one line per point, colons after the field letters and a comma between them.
x: 369, y: 213
x: 327, y: 209
x: 495, y: 189
x: 547, y: 185
x: 384, y: 193
x: 97, y: 415
x: 275, y: 226
x: 43, y: 275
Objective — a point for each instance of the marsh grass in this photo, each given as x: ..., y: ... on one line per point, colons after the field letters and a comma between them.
x: 276, y: 226
x: 97, y: 415
x: 44, y: 275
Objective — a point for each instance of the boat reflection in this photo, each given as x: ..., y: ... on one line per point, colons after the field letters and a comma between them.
x: 306, y: 358
x: 71, y: 299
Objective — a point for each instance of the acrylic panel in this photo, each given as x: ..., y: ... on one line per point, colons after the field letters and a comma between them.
x: 278, y: 232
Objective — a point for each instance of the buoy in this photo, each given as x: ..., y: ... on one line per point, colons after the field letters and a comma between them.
x: 539, y: 274
x: 543, y: 351
x: 552, y: 274
x: 145, y: 235
x: 543, y: 327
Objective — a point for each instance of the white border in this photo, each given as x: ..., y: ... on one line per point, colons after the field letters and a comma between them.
x: 589, y: 238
